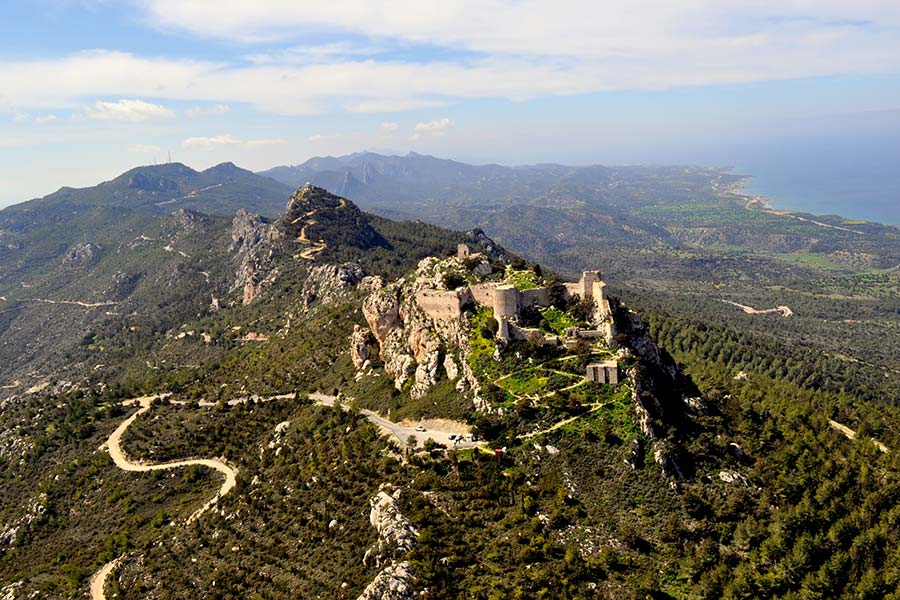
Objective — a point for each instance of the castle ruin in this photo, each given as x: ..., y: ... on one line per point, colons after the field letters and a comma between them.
x: 508, y: 302
x: 606, y: 371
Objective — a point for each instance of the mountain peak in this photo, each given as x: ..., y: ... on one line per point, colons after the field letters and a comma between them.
x: 225, y: 168
x: 316, y: 217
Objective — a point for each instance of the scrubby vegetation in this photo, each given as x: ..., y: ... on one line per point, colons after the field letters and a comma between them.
x: 566, y: 500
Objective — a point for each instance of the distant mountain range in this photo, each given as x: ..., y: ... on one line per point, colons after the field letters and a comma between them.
x: 425, y: 186
x: 162, y: 189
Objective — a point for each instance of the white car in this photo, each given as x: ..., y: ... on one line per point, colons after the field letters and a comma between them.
x: 420, y: 428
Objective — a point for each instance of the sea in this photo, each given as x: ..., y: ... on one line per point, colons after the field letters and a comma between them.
x: 856, y: 176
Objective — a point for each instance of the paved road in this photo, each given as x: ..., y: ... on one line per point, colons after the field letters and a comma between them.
x: 401, y: 432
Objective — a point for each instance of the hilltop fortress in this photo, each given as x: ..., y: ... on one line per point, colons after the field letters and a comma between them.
x: 508, y: 303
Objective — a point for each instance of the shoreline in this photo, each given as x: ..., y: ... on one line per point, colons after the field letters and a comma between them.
x: 776, y: 204
x: 736, y: 189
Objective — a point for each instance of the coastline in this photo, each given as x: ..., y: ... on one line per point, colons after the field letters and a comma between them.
x: 868, y: 204
x: 736, y: 190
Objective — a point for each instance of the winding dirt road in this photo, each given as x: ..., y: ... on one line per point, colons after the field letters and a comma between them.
x: 784, y: 311
x: 115, y: 451
x: 113, y: 446
x: 851, y: 435
x: 69, y: 302
x: 98, y: 579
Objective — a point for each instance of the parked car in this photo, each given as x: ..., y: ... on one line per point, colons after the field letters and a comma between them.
x: 420, y: 428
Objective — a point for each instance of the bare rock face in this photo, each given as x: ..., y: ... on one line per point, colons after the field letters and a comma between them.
x: 389, y: 522
x: 396, y: 538
x: 398, y: 362
x: 658, y: 390
x: 413, y: 344
x: 362, y: 343
x: 392, y: 583
x: 371, y: 283
x: 253, y: 239
x: 327, y: 283
x: 247, y: 229
x: 382, y: 312
x: 426, y: 373
x: 450, y: 367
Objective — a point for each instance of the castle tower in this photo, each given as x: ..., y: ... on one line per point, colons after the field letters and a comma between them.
x: 506, y: 308
x: 586, y: 285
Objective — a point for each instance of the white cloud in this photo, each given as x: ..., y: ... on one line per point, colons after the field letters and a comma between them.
x: 316, y: 54
x: 388, y: 127
x: 144, y: 148
x: 438, y: 127
x: 227, y: 140
x: 24, y: 117
x: 583, y: 28
x: 491, y: 49
x: 198, y: 112
x: 393, y: 105
x: 128, y: 110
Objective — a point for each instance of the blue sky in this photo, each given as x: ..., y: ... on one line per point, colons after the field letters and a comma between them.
x: 94, y: 87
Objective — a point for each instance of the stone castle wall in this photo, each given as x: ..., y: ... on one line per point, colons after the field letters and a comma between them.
x: 537, y: 296
x: 484, y: 293
x: 442, y: 306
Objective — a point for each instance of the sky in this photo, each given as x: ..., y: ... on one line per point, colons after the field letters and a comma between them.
x: 91, y: 88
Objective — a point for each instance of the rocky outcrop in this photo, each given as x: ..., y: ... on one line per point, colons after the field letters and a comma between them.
x: 413, y: 345
x: 362, y: 346
x: 481, y: 243
x: 389, y: 522
x: 247, y: 229
x: 81, y: 256
x: 327, y: 283
x: 382, y: 312
x: 187, y: 219
x: 254, y: 241
x: 396, y: 538
x: 392, y: 583
x: 658, y: 390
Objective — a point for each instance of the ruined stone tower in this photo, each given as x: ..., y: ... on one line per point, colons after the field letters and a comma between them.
x: 506, y: 309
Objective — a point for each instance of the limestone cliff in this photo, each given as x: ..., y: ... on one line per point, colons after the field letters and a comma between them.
x: 414, y: 346
x: 658, y: 390
x: 253, y: 239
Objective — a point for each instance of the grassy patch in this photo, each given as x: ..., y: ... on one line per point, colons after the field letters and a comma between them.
x: 523, y: 280
x: 559, y: 320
